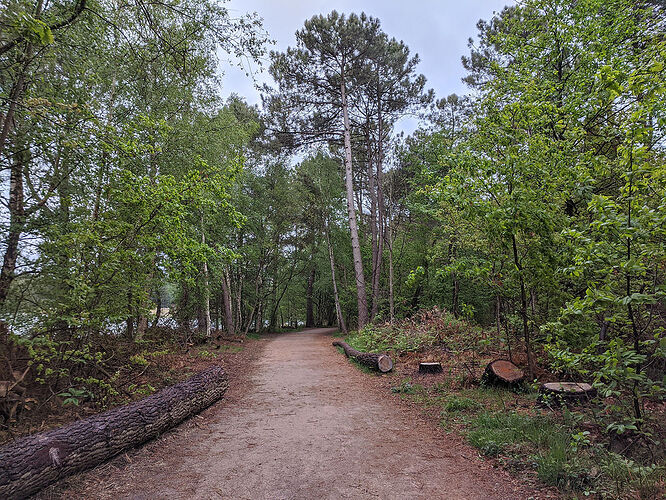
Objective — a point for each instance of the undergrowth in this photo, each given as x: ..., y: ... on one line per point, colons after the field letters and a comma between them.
x: 425, y: 329
x: 571, y: 450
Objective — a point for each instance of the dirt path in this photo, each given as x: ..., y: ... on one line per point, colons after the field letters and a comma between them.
x: 310, y: 425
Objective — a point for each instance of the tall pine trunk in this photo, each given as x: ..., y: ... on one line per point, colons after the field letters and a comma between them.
x: 372, y: 193
x: 353, y: 226
x: 379, y: 251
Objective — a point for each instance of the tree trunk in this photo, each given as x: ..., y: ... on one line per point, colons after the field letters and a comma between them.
x: 141, y: 326
x: 377, y: 271
x: 389, y: 241
x: 454, y: 279
x: 379, y: 362
x: 226, y: 301
x: 372, y: 193
x: 31, y: 463
x: 15, y: 96
x: 16, y: 208
x: 16, y: 223
x: 259, y: 324
x: 353, y: 227
x: 278, y: 299
x: 257, y: 298
x: 158, y: 310
x: 338, y: 308
x: 309, y: 313
x: 456, y: 294
x: 206, y: 287
x: 497, y: 316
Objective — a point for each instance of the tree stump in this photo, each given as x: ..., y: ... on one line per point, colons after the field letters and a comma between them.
x: 565, y: 393
x: 379, y: 362
x: 430, y: 368
x: 31, y: 463
x: 503, y: 373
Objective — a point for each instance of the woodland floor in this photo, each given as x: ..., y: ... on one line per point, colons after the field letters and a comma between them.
x: 300, y: 421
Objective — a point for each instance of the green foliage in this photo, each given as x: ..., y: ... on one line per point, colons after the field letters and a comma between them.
x: 625, y: 475
x: 74, y: 396
x: 535, y: 205
x: 378, y: 339
x: 139, y: 359
x: 544, y: 195
x: 427, y: 329
x: 141, y: 389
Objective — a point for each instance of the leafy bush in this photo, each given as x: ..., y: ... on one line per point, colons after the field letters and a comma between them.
x: 621, y: 474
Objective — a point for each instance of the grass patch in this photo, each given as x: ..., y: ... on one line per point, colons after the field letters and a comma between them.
x: 456, y: 404
x: 492, y: 433
x: 536, y: 441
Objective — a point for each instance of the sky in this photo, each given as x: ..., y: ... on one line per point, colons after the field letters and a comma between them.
x: 436, y: 30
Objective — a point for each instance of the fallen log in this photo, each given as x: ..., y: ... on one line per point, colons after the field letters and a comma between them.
x: 564, y: 393
x: 503, y: 373
x: 379, y: 362
x: 31, y: 463
x: 430, y: 367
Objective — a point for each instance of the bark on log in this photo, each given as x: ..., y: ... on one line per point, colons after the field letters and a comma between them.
x: 379, y: 362
x: 430, y: 368
x: 31, y: 463
x: 504, y: 373
x: 562, y: 393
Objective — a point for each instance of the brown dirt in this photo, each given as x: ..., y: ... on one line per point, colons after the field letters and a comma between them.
x: 299, y: 422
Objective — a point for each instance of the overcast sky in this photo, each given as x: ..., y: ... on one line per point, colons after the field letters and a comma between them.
x: 437, y: 30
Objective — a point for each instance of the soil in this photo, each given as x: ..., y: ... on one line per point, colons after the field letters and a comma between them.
x: 300, y: 421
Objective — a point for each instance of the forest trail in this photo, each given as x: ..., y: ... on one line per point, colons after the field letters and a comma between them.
x: 304, y: 424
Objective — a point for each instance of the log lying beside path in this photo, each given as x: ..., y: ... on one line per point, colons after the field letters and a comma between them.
x: 31, y: 463
x: 380, y: 362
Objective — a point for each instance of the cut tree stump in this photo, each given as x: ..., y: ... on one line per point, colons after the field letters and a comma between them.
x: 31, y: 463
x: 503, y: 372
x: 563, y: 393
x: 379, y: 362
x: 430, y: 368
